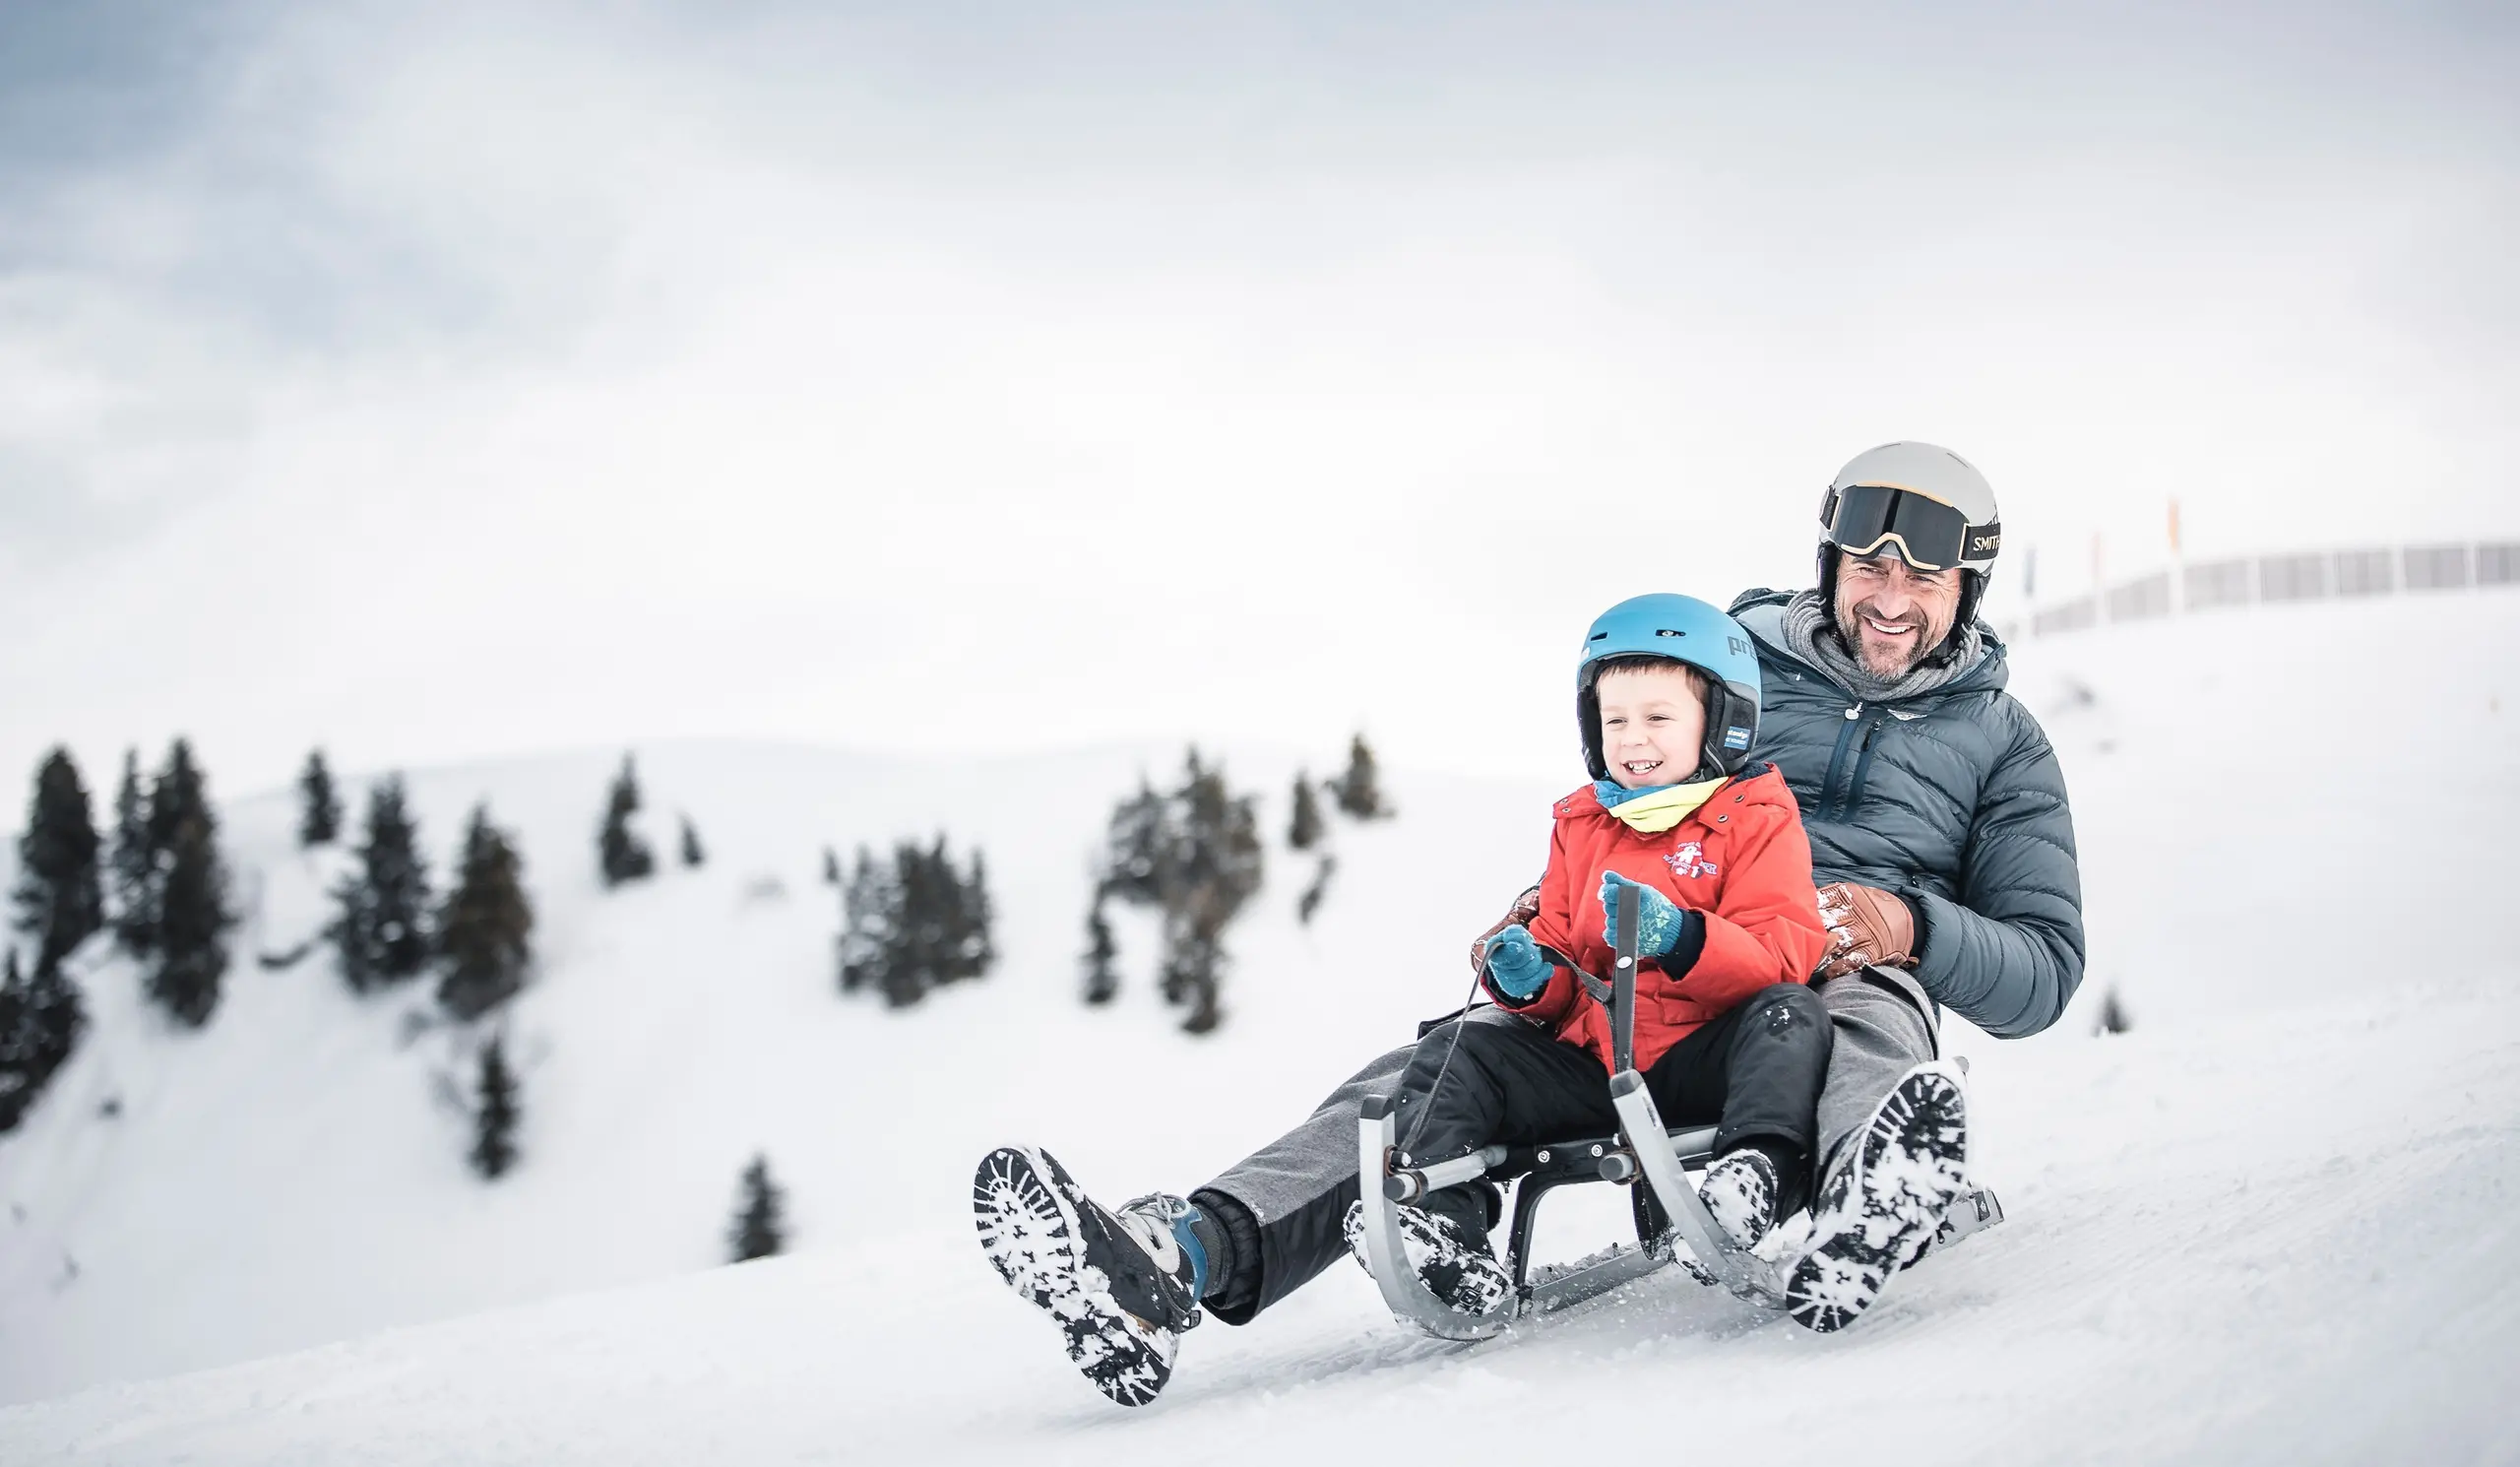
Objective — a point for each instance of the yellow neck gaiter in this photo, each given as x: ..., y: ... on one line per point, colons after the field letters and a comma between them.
x: 1652, y: 814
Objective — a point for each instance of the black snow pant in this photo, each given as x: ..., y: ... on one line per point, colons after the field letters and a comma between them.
x: 1281, y: 1207
x: 1755, y: 1072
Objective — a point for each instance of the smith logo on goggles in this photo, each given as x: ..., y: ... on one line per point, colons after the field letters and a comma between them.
x: 1930, y: 533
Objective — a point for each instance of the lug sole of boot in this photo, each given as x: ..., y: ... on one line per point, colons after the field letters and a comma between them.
x: 1907, y: 1170
x: 1489, y: 1286
x: 1028, y: 1211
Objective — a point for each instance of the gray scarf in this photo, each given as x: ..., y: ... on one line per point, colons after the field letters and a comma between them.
x: 1811, y: 634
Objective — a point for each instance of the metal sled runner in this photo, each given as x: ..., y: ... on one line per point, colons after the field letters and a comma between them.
x: 1672, y: 1223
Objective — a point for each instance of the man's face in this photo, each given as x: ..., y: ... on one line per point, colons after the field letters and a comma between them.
x: 1891, y: 613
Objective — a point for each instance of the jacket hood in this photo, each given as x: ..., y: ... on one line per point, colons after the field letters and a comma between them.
x: 1761, y: 611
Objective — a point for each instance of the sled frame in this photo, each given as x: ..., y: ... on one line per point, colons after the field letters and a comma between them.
x: 1669, y: 1217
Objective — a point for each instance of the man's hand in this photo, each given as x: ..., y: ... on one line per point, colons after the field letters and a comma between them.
x: 1866, y: 925
x: 1525, y: 908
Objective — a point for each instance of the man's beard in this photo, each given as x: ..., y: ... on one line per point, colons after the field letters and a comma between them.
x: 1866, y: 654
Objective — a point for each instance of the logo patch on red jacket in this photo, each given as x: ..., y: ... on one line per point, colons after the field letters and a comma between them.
x: 1690, y: 861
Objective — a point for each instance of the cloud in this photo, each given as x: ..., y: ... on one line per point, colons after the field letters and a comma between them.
x: 442, y: 383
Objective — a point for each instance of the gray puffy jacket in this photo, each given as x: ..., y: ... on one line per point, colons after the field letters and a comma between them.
x: 1951, y: 799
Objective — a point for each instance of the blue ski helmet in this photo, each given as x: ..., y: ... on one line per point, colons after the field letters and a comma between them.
x: 1683, y: 630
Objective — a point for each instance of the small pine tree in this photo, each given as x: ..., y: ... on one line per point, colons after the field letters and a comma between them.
x: 1195, y: 855
x: 1359, y: 789
x: 1309, y: 902
x: 760, y: 1228
x: 2113, y: 1018
x: 870, y: 907
x: 40, y: 1022
x: 915, y: 922
x: 381, y: 924
x: 486, y: 928
x: 17, y: 1052
x: 1304, y: 830
x: 61, y: 893
x: 134, y: 862
x: 1102, y: 975
x: 620, y: 854
x: 831, y: 867
x: 193, y: 920
x: 692, y: 855
x: 975, y: 941
x: 319, y: 809
x: 495, y: 1100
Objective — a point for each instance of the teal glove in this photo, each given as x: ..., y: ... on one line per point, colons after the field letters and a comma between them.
x: 1515, y: 966
x: 1657, y: 921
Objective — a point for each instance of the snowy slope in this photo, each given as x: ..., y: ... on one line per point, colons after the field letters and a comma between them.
x: 2273, y: 1223
x: 289, y: 1175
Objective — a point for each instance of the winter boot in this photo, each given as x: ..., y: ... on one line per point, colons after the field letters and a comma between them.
x: 1121, y: 1285
x: 1452, y: 1260
x: 1884, y: 1197
x: 1741, y: 1193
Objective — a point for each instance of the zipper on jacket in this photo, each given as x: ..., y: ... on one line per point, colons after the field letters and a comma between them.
x: 1865, y: 748
x: 1837, y: 762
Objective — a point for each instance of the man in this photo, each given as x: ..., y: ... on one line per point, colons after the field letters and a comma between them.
x: 1943, y: 848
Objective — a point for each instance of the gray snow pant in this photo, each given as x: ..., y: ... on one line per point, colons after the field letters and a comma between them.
x: 1283, y: 1205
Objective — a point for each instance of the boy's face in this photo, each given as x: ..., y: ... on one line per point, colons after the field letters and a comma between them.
x: 1652, y: 726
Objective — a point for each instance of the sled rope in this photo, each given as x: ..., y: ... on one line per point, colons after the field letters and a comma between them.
x: 1409, y: 1141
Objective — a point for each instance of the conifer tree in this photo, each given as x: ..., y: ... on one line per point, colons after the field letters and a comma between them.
x: 134, y: 862
x: 193, y: 920
x: 915, y: 922
x: 1215, y: 867
x: 381, y: 925
x: 692, y: 855
x: 486, y: 930
x: 620, y: 854
x: 319, y: 809
x: 869, y: 908
x: 1309, y: 902
x: 831, y: 867
x: 1101, y: 954
x: 1195, y: 855
x: 1304, y: 828
x: 40, y: 1021
x: 20, y: 1056
x: 978, y: 913
x: 60, y: 894
x: 1359, y: 789
x: 495, y: 1111
x: 760, y: 1226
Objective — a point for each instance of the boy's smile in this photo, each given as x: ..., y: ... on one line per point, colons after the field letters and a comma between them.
x: 1653, y: 724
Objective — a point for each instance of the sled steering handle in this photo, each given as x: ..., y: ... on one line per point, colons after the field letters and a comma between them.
x: 1624, y: 983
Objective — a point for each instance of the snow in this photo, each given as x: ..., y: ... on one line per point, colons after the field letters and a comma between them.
x: 2271, y: 1222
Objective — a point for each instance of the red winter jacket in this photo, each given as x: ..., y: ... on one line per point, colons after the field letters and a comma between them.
x: 1740, y: 860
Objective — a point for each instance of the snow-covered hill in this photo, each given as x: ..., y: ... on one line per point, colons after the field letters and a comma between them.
x: 2272, y: 1223
x: 291, y: 1174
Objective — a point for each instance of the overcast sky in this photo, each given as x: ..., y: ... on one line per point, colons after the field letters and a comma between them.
x: 438, y: 381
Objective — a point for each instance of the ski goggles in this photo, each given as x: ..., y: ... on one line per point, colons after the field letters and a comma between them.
x: 1930, y: 533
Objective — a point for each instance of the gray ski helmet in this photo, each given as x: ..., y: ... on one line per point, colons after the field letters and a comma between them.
x: 1922, y: 501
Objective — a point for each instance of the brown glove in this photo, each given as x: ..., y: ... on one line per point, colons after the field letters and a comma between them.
x: 1525, y: 907
x: 1866, y: 925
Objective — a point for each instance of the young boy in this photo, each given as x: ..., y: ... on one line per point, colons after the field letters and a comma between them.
x: 1667, y: 701
x: 1728, y: 930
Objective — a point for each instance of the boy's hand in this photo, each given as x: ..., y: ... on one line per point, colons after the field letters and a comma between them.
x: 1866, y: 925
x: 1657, y: 921
x: 1515, y: 966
